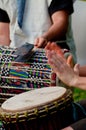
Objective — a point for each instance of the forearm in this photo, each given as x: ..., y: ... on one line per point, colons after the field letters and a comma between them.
x: 4, y: 34
x: 82, y: 71
x: 58, y: 28
x: 80, y: 82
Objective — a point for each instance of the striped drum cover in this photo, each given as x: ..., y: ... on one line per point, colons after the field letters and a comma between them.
x: 23, y: 69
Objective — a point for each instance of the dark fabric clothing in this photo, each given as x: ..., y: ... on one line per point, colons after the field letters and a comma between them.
x: 76, y: 116
x: 57, y: 5
x: 79, y: 115
x: 83, y: 103
x: 79, y: 125
x: 63, y: 45
x: 4, y: 17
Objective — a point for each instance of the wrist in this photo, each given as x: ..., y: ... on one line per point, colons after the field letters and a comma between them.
x: 75, y: 80
x: 46, y: 36
x: 45, y: 39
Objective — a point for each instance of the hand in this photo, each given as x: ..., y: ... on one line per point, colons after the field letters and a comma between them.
x: 53, y: 46
x: 68, y: 128
x: 61, y: 68
x: 71, y: 64
x: 40, y: 42
x: 70, y: 61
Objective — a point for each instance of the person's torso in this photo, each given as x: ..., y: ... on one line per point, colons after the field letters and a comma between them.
x: 35, y: 22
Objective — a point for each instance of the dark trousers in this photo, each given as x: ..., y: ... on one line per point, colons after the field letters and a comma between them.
x: 79, y: 114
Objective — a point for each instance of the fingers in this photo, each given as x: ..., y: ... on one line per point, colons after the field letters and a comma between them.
x: 48, y: 46
x: 52, y: 55
x: 56, y: 61
x: 40, y: 42
x: 36, y: 42
x: 52, y: 61
x: 76, y: 68
x: 53, y: 46
x: 70, y: 61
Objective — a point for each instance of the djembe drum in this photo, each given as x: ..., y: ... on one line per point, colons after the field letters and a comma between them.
x: 48, y: 108
x: 23, y: 69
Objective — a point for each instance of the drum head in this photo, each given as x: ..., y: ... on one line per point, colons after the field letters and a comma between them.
x: 33, y: 99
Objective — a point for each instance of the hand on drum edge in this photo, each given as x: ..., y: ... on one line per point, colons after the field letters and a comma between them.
x: 40, y: 42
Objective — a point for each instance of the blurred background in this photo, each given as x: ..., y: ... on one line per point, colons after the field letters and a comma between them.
x: 79, y: 29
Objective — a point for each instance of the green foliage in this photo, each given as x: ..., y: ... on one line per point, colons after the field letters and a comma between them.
x: 82, y: 0
x: 79, y: 94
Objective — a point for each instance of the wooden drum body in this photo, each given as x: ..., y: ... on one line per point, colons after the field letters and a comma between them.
x: 40, y: 109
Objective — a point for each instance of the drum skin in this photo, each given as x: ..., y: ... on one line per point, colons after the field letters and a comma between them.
x: 41, y: 109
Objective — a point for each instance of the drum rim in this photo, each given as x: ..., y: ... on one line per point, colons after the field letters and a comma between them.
x: 66, y: 99
x: 34, y: 91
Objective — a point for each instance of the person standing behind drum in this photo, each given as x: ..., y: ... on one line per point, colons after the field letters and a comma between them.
x: 74, y: 78
x: 39, y: 22
x: 4, y: 28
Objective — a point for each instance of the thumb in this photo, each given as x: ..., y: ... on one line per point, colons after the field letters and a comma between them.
x: 70, y: 61
x: 76, y: 68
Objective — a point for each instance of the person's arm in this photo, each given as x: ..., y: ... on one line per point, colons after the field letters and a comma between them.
x: 80, y: 83
x: 57, y: 29
x: 4, y: 34
x: 59, y: 11
x: 82, y: 71
x: 4, y: 28
x: 59, y: 26
x: 68, y: 128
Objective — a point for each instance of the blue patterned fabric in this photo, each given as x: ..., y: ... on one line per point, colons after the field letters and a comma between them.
x: 21, y: 7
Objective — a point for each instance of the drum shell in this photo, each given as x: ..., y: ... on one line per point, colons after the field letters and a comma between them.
x: 52, y: 116
x: 20, y: 76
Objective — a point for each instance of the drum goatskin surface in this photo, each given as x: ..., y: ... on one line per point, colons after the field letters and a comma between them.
x: 32, y: 99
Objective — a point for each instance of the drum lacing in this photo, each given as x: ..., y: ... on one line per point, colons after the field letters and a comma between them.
x: 46, y: 109
x: 36, y: 112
